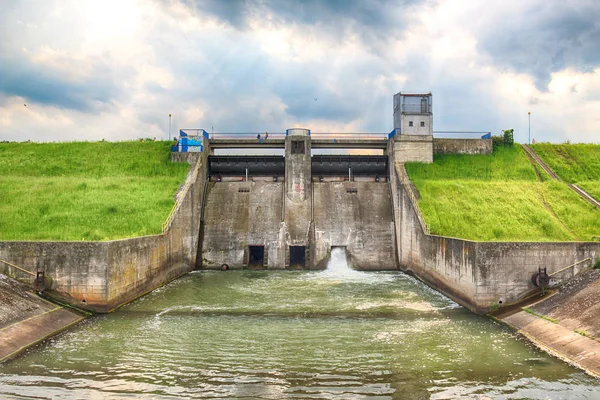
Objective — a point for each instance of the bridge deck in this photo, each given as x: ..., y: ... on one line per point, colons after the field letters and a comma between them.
x: 315, y: 143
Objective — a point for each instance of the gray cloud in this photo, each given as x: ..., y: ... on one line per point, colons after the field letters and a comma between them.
x: 547, y: 38
x: 373, y: 21
x: 42, y: 84
x: 374, y: 13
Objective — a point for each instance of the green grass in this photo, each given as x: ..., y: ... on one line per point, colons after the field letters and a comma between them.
x: 499, y: 198
x: 530, y: 311
x: 573, y: 163
x: 506, y: 164
x: 591, y: 187
x: 91, y: 191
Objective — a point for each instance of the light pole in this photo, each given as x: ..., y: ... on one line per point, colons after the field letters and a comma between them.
x: 529, y: 117
x: 169, y: 127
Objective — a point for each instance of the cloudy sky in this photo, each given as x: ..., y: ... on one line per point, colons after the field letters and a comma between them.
x: 114, y: 70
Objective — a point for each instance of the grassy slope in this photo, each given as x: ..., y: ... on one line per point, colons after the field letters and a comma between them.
x: 499, y: 197
x: 574, y: 163
x: 91, y: 191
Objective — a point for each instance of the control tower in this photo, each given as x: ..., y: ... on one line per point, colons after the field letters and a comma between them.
x: 413, y: 125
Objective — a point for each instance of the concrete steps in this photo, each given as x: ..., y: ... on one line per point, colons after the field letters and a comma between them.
x: 585, y: 195
x: 540, y: 162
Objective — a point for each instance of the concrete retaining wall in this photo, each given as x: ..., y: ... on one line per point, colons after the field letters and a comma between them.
x: 462, y: 146
x: 413, y: 148
x: 362, y: 222
x: 101, y: 276
x: 478, y: 275
x: 239, y: 214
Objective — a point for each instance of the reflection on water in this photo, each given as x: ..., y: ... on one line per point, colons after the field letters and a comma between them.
x: 338, y: 333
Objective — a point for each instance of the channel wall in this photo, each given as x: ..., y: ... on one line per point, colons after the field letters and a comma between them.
x: 479, y: 275
x: 101, y: 276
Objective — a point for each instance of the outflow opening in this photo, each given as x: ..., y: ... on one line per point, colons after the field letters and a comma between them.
x: 297, y: 256
x: 256, y: 256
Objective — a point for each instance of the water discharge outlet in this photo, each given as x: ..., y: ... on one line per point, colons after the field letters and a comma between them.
x: 256, y: 256
x: 339, y: 260
x: 297, y: 257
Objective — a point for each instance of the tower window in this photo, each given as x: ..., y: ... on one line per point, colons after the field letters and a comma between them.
x: 410, y: 123
x: 422, y: 124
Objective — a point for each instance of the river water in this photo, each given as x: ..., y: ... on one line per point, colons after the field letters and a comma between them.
x: 337, y: 333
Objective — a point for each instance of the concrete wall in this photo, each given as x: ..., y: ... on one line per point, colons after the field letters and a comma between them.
x: 462, y: 146
x: 417, y: 129
x: 478, y: 275
x: 298, y: 192
x: 413, y: 148
x: 445, y: 263
x: 234, y: 219
x: 78, y: 269
x: 505, y: 269
x: 101, y: 276
x: 362, y: 222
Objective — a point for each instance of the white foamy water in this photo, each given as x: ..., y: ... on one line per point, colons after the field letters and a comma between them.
x: 339, y: 269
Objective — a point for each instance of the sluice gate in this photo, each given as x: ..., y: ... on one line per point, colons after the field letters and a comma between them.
x: 321, y: 165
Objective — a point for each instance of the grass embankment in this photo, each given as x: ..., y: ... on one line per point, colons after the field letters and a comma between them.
x: 91, y: 191
x: 499, y: 197
x: 574, y: 163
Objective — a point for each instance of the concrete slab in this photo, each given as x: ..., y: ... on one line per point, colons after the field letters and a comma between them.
x: 21, y: 335
x: 27, y: 319
x: 561, y: 342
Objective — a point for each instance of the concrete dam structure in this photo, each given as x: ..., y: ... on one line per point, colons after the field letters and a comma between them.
x: 288, y: 211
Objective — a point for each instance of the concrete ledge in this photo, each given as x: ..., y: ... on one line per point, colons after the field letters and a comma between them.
x: 21, y: 335
x: 558, y: 341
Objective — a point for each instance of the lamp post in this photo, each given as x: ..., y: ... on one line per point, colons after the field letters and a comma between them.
x: 529, y: 117
x: 169, y: 127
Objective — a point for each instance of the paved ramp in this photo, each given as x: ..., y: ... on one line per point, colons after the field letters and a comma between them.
x: 566, y: 324
x: 26, y: 319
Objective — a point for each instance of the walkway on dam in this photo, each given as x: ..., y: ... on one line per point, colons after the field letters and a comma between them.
x: 329, y: 143
x: 566, y: 324
x: 26, y: 319
x: 535, y: 158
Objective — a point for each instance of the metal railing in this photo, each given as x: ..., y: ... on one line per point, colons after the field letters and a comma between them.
x: 461, y: 134
x: 181, y: 195
x: 17, y: 267
x: 406, y: 183
x: 417, y: 108
x: 350, y: 135
x: 571, y: 266
x: 246, y: 135
x: 281, y: 135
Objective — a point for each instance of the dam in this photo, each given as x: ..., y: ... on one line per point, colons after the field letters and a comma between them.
x: 290, y: 209
x: 290, y: 252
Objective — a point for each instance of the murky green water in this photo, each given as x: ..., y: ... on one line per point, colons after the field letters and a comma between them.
x: 331, y: 334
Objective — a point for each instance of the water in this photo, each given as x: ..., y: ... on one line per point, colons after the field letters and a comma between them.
x: 256, y: 334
